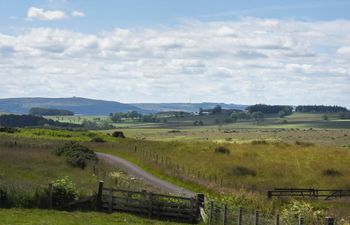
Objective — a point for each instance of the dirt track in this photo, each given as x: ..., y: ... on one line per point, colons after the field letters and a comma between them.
x: 137, y: 172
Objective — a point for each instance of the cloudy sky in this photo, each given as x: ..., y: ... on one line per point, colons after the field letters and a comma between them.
x: 275, y: 52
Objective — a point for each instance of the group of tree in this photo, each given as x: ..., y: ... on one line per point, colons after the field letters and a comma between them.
x: 270, y: 109
x: 320, y: 109
x: 120, y: 116
x: 36, y: 111
x: 12, y: 120
x: 217, y: 110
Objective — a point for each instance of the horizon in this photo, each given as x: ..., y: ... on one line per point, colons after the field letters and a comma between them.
x: 179, y: 52
x: 131, y: 103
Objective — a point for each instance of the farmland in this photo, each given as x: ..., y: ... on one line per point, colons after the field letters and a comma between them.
x: 232, y: 162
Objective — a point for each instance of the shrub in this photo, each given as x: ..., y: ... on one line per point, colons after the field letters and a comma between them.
x: 118, y: 134
x: 63, y: 192
x: 97, y: 140
x: 259, y: 142
x: 331, y: 173
x: 243, y: 171
x: 222, y: 150
x: 304, y: 144
x: 9, y: 130
x: 296, y: 209
x: 76, y: 154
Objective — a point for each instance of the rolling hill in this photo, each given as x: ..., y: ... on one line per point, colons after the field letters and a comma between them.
x: 77, y: 105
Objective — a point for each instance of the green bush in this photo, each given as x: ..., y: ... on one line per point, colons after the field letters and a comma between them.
x: 243, y: 171
x: 97, y: 140
x: 296, y: 209
x: 76, y: 154
x: 118, y: 134
x: 222, y: 150
x: 331, y: 173
x: 63, y: 192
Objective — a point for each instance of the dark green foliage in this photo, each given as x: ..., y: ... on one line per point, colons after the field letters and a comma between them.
x: 304, y: 144
x: 222, y: 150
x: 286, y: 111
x: 50, y: 112
x: 97, y: 140
x: 12, y: 120
x: 216, y: 110
x: 243, y: 171
x: 258, y: 116
x: 76, y: 154
x: 269, y: 109
x: 9, y: 130
x: 325, y: 117
x: 320, y: 109
x: 118, y: 134
x: 259, y: 142
x: 331, y: 173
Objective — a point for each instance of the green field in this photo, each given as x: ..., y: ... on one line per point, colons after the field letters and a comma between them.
x: 45, y: 217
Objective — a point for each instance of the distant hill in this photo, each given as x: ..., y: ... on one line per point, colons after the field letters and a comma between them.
x: 77, y: 105
x: 186, y: 107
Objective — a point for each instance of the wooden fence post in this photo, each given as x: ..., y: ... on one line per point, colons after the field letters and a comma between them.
x: 150, y: 202
x: 301, y: 221
x: 329, y: 221
x: 50, y: 196
x: 240, y: 216
x: 224, y: 221
x: 256, y: 218
x: 277, y: 220
x: 99, y: 196
x: 110, y: 201
x: 211, y: 208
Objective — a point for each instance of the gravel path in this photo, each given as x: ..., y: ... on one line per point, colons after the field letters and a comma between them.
x: 137, y: 172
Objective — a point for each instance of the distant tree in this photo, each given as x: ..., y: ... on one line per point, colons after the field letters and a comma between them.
x: 268, y: 109
x: 49, y: 112
x: 258, y: 116
x: 320, y: 109
x: 286, y: 111
x: 200, y: 123
x: 217, y: 121
x: 325, y: 117
x: 217, y: 109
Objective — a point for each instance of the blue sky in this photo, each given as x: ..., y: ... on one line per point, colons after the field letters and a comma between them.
x: 276, y: 52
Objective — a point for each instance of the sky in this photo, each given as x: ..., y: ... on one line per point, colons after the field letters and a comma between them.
x: 247, y: 52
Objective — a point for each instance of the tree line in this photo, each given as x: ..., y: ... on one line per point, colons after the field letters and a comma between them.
x: 11, y: 120
x: 36, y: 111
x: 320, y: 109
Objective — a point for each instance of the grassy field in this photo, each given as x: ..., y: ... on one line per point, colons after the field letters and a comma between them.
x: 45, y: 217
x: 32, y: 163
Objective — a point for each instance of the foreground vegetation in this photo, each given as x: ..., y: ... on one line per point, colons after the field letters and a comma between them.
x: 45, y: 217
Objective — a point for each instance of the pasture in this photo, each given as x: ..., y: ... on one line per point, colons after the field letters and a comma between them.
x: 46, y: 217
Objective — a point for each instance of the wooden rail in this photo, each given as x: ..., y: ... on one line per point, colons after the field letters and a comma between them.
x: 311, y: 193
x: 150, y: 204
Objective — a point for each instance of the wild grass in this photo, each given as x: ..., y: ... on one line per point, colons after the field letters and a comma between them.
x: 45, y: 217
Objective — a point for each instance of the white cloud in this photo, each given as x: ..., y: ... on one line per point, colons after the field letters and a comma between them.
x: 41, y: 14
x: 246, y: 61
x: 77, y: 14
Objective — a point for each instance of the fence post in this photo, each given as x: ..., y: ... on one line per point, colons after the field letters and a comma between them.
x: 240, y: 216
x: 329, y: 221
x: 99, y: 196
x: 301, y: 221
x: 224, y: 221
x: 150, y: 199
x: 50, y: 196
x: 211, y: 208
x: 269, y: 194
x: 110, y: 201
x: 277, y: 219
x: 256, y: 218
